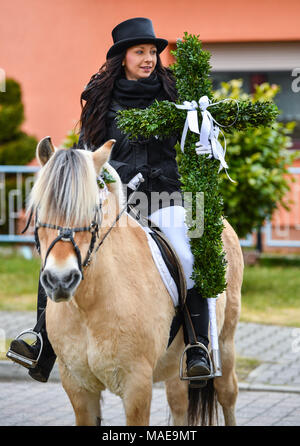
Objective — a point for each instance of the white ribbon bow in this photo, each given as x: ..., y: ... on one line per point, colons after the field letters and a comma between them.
x: 191, y: 121
x: 208, y: 143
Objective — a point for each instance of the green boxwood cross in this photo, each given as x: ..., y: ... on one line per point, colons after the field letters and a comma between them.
x: 198, y: 173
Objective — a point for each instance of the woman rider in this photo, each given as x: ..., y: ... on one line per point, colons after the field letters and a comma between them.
x: 134, y: 77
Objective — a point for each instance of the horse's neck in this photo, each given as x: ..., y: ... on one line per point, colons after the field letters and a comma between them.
x: 119, y: 241
x: 111, y: 209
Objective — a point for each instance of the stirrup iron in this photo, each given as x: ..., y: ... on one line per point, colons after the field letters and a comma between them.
x: 184, y: 377
x: 23, y: 360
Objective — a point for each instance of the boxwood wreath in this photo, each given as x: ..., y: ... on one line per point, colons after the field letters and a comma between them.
x: 198, y: 172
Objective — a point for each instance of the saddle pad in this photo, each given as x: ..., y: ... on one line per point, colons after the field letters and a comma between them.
x: 162, y: 268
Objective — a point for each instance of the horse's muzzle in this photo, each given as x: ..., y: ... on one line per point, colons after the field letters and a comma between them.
x: 60, y: 287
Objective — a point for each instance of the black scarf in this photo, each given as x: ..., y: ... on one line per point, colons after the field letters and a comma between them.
x: 140, y: 93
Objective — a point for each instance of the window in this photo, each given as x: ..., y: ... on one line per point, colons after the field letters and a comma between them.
x: 286, y: 100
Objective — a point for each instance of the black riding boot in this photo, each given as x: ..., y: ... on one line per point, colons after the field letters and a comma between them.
x: 197, y: 358
x: 47, y: 358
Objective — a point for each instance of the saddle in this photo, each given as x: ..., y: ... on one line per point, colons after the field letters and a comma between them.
x: 182, y: 315
x: 173, y: 265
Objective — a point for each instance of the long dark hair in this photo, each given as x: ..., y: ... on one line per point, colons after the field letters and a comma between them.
x: 98, y: 95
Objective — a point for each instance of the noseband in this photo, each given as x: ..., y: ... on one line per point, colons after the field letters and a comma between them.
x: 67, y: 235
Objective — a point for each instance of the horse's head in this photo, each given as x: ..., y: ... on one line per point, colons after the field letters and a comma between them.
x: 66, y: 202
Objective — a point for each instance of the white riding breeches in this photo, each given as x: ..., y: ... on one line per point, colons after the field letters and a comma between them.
x: 171, y: 220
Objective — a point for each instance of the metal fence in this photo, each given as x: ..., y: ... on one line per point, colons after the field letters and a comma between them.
x: 12, y: 203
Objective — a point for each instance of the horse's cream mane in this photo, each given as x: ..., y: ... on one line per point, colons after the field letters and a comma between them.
x: 66, y: 190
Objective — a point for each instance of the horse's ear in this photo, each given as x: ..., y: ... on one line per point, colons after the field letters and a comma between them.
x: 101, y: 155
x: 44, y: 150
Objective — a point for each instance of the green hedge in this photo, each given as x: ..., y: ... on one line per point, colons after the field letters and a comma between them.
x: 15, y: 146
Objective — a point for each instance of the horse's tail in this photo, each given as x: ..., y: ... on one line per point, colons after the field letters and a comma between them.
x: 202, y: 409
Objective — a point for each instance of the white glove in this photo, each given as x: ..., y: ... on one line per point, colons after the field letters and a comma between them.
x: 135, y: 181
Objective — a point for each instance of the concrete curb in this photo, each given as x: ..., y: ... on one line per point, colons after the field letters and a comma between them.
x: 268, y: 388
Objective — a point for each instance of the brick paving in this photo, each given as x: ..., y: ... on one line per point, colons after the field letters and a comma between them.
x: 269, y: 397
x: 37, y: 404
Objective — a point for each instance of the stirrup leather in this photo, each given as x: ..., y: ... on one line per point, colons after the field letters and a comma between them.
x: 23, y: 360
x: 183, y: 376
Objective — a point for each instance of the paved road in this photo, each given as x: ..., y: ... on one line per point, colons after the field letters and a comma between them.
x: 37, y: 404
x: 269, y: 397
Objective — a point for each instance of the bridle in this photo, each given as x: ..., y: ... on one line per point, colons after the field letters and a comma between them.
x: 66, y: 234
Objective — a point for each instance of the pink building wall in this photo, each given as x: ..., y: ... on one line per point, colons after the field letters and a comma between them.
x: 53, y: 47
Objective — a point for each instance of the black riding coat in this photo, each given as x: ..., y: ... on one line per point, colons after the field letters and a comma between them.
x: 155, y: 157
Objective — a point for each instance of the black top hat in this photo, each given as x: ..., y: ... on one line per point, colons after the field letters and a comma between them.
x: 134, y: 31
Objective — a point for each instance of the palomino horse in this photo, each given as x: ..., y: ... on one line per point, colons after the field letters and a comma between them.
x: 109, y: 321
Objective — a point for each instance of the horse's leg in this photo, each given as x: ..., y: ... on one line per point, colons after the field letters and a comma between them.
x: 137, y: 395
x: 86, y: 404
x: 227, y: 385
x: 177, y: 396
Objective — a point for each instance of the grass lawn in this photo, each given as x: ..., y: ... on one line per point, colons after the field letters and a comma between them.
x: 271, y: 295
x: 18, y: 282
x: 244, y: 366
